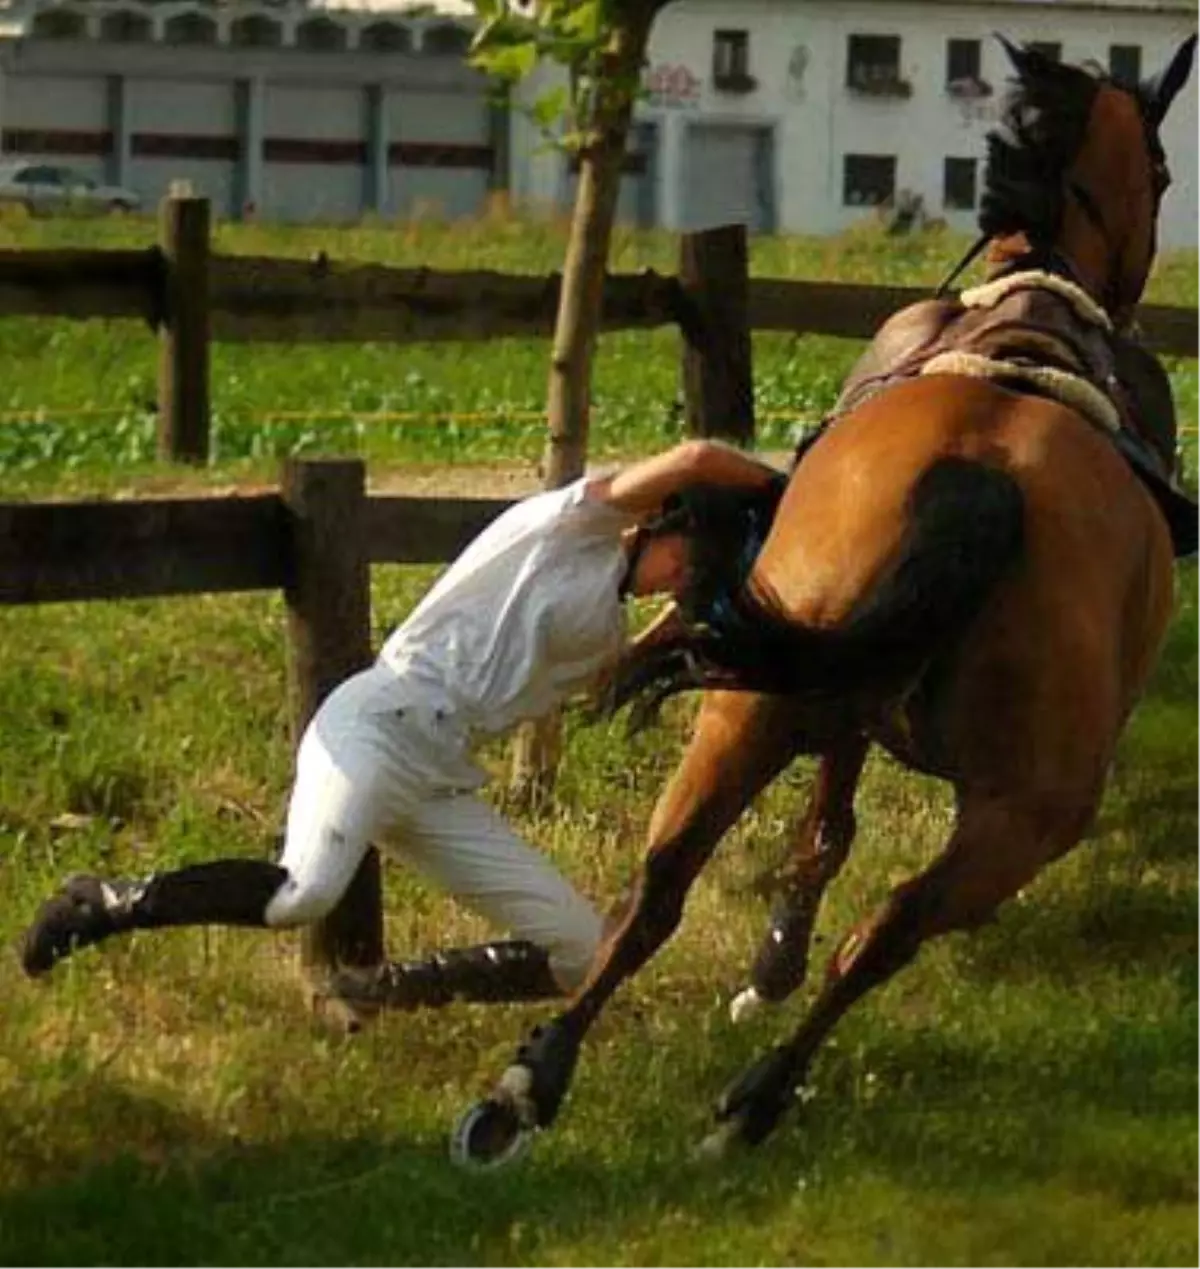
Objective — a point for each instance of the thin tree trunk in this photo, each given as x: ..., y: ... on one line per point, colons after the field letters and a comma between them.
x: 536, y: 746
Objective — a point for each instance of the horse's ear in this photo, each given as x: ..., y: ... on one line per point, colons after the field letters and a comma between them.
x: 1016, y: 54
x: 1160, y: 91
x: 1029, y: 63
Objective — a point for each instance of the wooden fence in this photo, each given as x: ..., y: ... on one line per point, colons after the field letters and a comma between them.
x: 192, y: 296
x: 314, y: 539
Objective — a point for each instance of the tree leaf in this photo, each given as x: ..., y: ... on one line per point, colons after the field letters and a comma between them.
x: 550, y: 106
x: 512, y: 61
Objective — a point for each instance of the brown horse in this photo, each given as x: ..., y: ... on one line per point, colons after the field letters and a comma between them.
x: 971, y: 566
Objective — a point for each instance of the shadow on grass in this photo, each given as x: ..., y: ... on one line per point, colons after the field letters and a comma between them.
x: 1062, y: 937
x: 952, y: 1116
x: 368, y: 1200
x: 946, y: 1116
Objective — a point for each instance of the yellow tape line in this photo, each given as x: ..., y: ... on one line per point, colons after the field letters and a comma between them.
x: 431, y: 418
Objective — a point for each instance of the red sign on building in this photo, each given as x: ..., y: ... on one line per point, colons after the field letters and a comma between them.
x: 672, y: 86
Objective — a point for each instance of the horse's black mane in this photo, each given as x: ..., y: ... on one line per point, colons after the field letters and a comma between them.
x: 1042, y: 127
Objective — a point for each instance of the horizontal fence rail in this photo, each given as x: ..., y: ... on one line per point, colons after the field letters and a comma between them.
x: 269, y: 300
x: 261, y: 298
x: 414, y: 530
x: 66, y: 551
x: 129, y: 550
x: 70, y: 282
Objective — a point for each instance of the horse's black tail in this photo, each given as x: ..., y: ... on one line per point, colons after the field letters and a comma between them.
x: 965, y: 530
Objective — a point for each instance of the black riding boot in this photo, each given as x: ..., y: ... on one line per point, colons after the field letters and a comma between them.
x: 88, y: 909
x: 491, y: 972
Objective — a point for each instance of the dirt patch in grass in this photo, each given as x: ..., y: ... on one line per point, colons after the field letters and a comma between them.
x: 432, y: 480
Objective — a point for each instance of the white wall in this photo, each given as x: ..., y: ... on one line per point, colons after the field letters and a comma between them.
x: 69, y: 102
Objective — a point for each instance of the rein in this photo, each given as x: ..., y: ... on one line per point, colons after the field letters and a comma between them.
x: 948, y: 281
x: 1091, y: 209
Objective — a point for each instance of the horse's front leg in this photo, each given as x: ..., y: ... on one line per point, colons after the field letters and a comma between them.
x: 820, y: 847
x: 740, y: 743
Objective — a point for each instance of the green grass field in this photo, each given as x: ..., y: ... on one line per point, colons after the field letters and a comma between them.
x: 1025, y: 1095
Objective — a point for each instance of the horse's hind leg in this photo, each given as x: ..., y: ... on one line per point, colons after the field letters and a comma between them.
x: 820, y: 847
x: 998, y: 846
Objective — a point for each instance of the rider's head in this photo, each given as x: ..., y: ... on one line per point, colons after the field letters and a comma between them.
x: 696, y: 545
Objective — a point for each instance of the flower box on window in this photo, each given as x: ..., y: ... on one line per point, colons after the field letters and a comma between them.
x: 873, y: 84
x: 969, y: 88
x: 735, y: 82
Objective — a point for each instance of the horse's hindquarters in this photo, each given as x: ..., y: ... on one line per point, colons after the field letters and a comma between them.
x: 1045, y: 662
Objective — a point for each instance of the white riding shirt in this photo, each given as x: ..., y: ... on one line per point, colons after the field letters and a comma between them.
x: 527, y: 615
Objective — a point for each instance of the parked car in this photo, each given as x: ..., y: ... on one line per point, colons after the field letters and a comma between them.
x: 44, y: 187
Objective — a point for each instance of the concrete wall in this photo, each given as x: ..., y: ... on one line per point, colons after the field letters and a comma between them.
x: 168, y: 145
x: 284, y: 133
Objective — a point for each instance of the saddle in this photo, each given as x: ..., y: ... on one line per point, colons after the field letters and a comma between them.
x: 1037, y: 332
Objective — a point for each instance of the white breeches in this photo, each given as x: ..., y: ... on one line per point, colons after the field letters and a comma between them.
x: 379, y: 763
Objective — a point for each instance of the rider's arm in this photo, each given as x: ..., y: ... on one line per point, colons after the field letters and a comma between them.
x: 640, y: 489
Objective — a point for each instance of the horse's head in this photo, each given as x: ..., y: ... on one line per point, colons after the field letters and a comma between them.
x: 1076, y: 170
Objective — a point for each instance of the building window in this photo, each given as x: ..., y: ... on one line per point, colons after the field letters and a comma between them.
x: 446, y: 40
x: 963, y: 78
x: 1048, y: 49
x: 958, y: 184
x: 123, y: 27
x: 385, y: 37
x: 190, y: 28
x: 58, y: 24
x: 255, y: 31
x: 1125, y: 63
x: 321, y: 35
x: 731, y: 61
x: 873, y: 66
x: 962, y: 60
x: 868, y: 179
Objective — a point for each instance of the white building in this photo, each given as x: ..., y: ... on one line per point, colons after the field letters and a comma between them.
x: 796, y: 114
x: 279, y: 110
x: 787, y: 114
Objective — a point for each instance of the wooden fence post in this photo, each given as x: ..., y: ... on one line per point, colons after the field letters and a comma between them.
x: 183, y: 407
x: 329, y: 634
x: 718, y: 384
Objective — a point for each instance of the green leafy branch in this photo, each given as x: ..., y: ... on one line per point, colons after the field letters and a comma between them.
x: 514, y: 36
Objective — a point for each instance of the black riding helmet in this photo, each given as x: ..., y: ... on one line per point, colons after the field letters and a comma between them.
x: 725, y: 529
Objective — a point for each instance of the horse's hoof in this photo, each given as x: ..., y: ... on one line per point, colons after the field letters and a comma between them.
x: 490, y: 1135
x: 744, y: 1005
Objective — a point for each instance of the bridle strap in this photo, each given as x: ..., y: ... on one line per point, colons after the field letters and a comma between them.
x: 632, y: 557
x: 976, y: 247
x: 1091, y: 209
